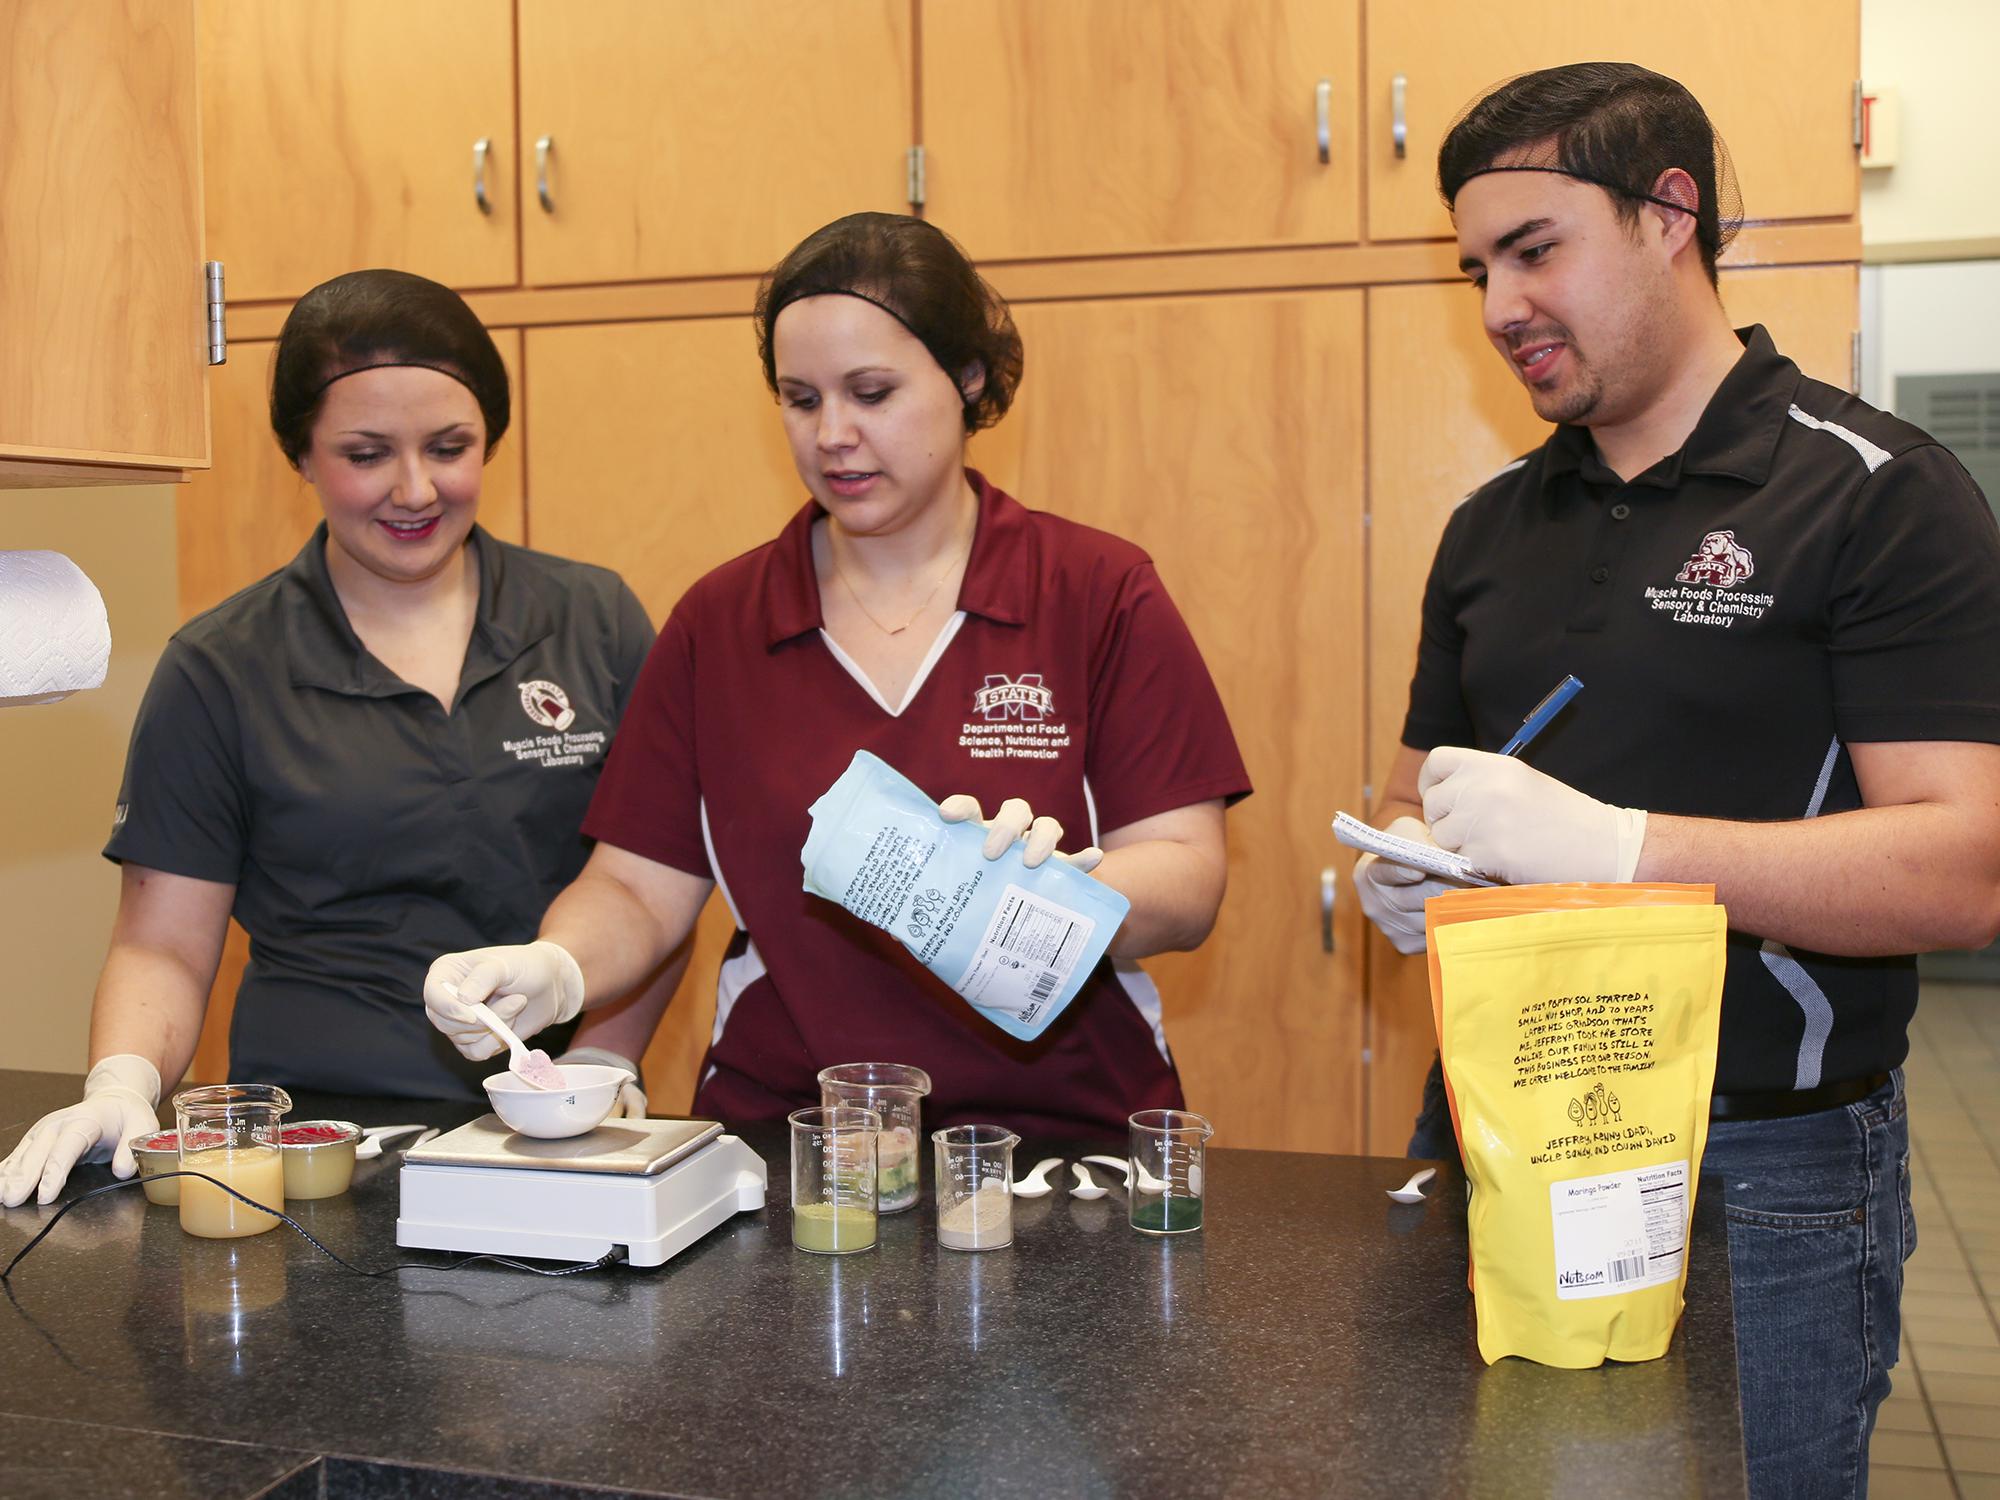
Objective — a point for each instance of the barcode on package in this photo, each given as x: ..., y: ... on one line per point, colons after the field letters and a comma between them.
x: 1622, y: 1232
x: 1631, y: 1268
x: 1029, y: 950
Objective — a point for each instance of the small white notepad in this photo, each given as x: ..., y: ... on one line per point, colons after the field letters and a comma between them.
x: 1356, y: 834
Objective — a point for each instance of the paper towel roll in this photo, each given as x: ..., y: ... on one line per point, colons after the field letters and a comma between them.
x: 55, y: 638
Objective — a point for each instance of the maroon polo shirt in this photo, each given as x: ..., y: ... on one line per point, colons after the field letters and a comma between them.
x: 1066, y: 677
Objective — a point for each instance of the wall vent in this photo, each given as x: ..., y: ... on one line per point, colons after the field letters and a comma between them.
x: 1963, y: 413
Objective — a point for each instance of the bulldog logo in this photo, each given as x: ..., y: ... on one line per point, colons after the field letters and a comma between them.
x: 1718, y: 562
x: 547, y: 705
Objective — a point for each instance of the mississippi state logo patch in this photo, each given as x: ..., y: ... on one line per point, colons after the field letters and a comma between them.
x: 1720, y: 562
x: 1705, y: 590
x: 1021, y: 697
x: 1014, y: 718
x: 547, y: 704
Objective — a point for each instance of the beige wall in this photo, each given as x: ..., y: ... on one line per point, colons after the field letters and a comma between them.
x: 1938, y: 55
x: 60, y: 764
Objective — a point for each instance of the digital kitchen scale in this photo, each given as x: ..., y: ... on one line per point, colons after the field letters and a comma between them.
x: 651, y: 1186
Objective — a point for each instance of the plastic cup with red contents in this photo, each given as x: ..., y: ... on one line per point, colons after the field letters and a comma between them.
x: 319, y: 1158
x: 157, y: 1153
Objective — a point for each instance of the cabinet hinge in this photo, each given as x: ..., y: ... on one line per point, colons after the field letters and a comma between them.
x: 1854, y: 362
x: 913, y: 176
x: 1857, y: 114
x: 218, y: 337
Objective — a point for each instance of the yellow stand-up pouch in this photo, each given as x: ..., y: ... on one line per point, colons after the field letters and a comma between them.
x: 1482, y: 903
x: 1580, y: 1046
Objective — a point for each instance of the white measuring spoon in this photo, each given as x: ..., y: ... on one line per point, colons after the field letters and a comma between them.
x: 1036, y: 1184
x: 1086, y: 1185
x: 373, y: 1137
x: 1411, y: 1191
x: 532, y: 1068
x: 1147, y: 1181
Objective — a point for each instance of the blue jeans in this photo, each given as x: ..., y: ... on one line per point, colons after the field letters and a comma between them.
x: 1819, y: 1227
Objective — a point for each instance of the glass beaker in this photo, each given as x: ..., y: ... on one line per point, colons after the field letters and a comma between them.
x: 230, y: 1132
x: 833, y: 1178
x: 1166, y: 1160
x: 895, y: 1091
x: 975, y: 1186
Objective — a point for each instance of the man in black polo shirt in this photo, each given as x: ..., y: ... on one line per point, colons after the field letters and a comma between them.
x: 1786, y: 606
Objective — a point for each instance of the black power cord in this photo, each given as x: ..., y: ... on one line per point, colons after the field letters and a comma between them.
x: 610, y: 1257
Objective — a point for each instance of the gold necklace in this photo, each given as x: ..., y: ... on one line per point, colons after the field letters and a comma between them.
x: 951, y: 568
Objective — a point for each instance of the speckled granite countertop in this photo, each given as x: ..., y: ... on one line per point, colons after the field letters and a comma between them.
x: 1313, y: 1339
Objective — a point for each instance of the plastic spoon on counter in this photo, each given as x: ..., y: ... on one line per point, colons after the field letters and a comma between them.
x: 1147, y: 1181
x: 1412, y: 1191
x: 1086, y: 1185
x: 374, y: 1136
x: 531, y: 1067
x: 1036, y: 1184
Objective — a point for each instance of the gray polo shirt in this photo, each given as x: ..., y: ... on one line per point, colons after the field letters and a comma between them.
x: 367, y: 830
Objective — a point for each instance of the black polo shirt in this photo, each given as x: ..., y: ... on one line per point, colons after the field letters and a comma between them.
x: 1806, y: 573
x: 365, y: 829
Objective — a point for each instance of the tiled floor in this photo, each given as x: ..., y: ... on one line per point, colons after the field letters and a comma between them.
x: 1939, y: 1432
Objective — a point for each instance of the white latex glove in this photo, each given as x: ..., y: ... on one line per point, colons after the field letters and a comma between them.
x: 1523, y: 827
x: 631, y: 1098
x: 120, y: 1096
x: 1014, y: 822
x: 529, y: 986
x: 1393, y: 895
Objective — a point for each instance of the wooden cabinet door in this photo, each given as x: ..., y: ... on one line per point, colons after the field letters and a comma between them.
x: 1776, y: 77
x: 247, y: 516
x: 655, y: 449
x: 340, y: 135
x: 1224, y: 435
x: 1053, y: 128
x: 689, y: 138
x: 103, y: 324
x: 1444, y: 413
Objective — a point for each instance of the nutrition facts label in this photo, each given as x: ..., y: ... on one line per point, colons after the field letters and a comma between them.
x: 1621, y: 1232
x: 1028, y: 951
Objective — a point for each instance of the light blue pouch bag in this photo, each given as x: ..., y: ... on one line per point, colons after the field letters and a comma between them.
x: 1016, y: 943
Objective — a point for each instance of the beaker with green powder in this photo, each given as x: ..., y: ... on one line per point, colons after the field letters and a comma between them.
x: 833, y: 1178
x: 1166, y: 1151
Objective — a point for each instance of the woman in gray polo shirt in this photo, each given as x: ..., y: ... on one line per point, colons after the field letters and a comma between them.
x: 380, y: 752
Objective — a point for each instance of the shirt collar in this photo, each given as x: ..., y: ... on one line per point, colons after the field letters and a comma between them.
x: 322, y: 650
x: 996, y: 584
x: 1736, y: 435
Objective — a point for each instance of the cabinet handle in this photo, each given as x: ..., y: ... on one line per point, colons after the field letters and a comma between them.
x: 1323, y: 115
x: 544, y: 146
x: 481, y: 149
x: 1399, y: 122
x: 1326, y: 894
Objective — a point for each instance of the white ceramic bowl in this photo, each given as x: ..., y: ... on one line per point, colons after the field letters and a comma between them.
x: 591, y: 1095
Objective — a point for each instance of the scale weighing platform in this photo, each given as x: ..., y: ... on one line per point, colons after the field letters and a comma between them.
x: 652, y: 1186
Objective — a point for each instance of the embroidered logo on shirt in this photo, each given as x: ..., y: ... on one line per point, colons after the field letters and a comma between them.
x: 1718, y: 562
x: 1718, y: 565
x: 547, y: 704
x: 1021, y: 697
x: 1015, y: 720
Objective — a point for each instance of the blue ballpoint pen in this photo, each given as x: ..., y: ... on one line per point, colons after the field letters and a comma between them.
x: 1547, y: 709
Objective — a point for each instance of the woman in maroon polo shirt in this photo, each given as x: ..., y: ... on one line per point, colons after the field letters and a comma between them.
x: 1000, y: 657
